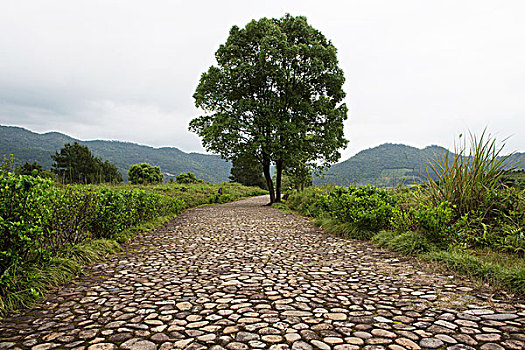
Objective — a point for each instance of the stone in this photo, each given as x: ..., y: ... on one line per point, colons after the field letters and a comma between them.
x: 488, y: 337
x: 301, y: 345
x: 138, y: 344
x: 408, y: 344
x: 431, y: 343
x: 383, y: 333
x: 500, y: 317
x: 184, y: 306
x: 45, y: 346
x: 320, y: 345
x: 246, y: 337
x: 102, y: 346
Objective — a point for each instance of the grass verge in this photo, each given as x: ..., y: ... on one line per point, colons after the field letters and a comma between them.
x: 38, y: 278
x: 471, y: 264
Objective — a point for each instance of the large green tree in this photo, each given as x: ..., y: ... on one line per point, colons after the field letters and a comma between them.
x: 144, y: 173
x: 275, y: 95
x: 248, y: 171
x: 76, y: 164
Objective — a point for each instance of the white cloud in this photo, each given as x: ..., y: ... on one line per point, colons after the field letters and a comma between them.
x: 417, y: 72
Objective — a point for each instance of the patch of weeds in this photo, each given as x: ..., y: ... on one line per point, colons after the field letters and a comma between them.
x: 38, y: 278
x: 282, y: 207
x: 347, y: 230
x: 466, y: 263
x: 407, y: 243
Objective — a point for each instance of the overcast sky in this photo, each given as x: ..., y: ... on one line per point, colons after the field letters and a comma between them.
x: 417, y: 72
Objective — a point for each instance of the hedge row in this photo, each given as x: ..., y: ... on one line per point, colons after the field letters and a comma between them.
x: 39, y: 218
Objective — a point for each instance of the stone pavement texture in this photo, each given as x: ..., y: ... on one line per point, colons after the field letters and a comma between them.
x: 246, y: 276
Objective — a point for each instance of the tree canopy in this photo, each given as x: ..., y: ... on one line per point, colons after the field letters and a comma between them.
x: 75, y: 164
x: 247, y: 171
x: 144, y: 173
x: 187, y: 178
x: 275, y: 95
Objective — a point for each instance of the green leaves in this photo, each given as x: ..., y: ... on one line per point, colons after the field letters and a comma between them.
x: 275, y: 95
x: 75, y: 164
x: 37, y: 219
x: 143, y: 173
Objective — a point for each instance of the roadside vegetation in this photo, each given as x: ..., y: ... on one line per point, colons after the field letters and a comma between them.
x: 48, y: 231
x: 471, y: 219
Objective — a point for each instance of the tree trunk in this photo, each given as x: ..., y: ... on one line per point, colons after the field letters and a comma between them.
x: 268, y: 177
x: 279, y: 173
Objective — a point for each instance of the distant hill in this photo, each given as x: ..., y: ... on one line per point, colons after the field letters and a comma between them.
x: 387, y: 165
x: 28, y: 146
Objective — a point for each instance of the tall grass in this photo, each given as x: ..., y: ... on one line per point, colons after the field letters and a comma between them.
x: 469, y: 177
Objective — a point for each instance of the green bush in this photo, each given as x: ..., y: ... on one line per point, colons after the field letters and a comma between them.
x: 308, y: 202
x: 408, y: 243
x: 220, y: 198
x: 144, y: 173
x: 366, y: 207
x: 38, y: 220
x: 435, y: 221
x: 187, y: 178
x: 24, y: 213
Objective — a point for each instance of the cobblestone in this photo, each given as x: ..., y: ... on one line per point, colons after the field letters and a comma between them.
x: 246, y: 276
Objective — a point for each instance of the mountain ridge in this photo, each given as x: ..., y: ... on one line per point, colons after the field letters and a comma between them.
x: 29, y: 146
x: 388, y: 164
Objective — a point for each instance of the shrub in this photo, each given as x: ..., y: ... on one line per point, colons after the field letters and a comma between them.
x: 308, y: 202
x: 366, y: 207
x: 144, y: 173
x: 434, y: 220
x: 187, y: 178
x: 468, y: 179
x: 220, y: 198
x: 402, y: 220
x: 24, y: 212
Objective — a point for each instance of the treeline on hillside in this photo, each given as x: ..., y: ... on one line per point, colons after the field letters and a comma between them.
x: 75, y: 164
x: 31, y: 147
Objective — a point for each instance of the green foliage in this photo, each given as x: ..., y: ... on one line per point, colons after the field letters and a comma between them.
x: 187, y: 178
x: 75, y: 164
x: 9, y: 164
x: 35, y: 169
x: 248, y: 171
x: 144, y: 173
x: 408, y: 243
x: 23, y: 208
x: 289, y: 109
x: 220, y: 198
x: 515, y: 179
x: 38, y: 220
x: 469, y: 179
x: 468, y: 263
x: 434, y: 220
x: 298, y: 176
x: 367, y: 208
x: 309, y: 202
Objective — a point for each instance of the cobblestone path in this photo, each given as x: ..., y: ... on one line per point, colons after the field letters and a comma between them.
x: 245, y: 276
